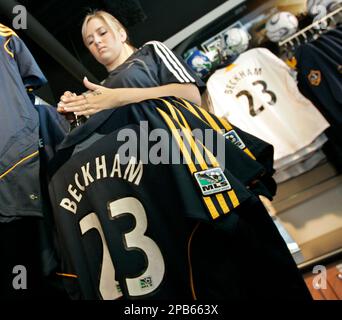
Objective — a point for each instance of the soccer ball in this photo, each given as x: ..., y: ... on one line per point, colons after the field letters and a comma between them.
x: 199, y: 62
x: 314, y: 7
x: 236, y: 41
x: 281, y: 25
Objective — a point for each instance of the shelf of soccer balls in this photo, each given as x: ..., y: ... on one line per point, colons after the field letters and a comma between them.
x: 225, y: 48
x: 228, y: 44
x: 315, y: 25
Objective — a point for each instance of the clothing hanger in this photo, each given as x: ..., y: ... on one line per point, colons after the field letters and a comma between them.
x: 304, y: 37
x: 312, y: 28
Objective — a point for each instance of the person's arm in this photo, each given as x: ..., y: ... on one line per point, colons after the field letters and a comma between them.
x: 100, y: 98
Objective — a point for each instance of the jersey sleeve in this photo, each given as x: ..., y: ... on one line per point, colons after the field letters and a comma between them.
x: 172, y: 68
x: 29, y: 70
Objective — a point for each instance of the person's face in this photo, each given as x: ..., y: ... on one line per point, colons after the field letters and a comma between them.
x: 104, y: 43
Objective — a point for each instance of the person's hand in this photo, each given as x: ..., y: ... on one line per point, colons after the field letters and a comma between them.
x: 97, y: 98
x: 60, y: 106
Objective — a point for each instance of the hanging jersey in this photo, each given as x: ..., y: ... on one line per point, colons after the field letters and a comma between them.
x: 264, y: 101
x: 330, y: 46
x: 19, y: 125
x: 320, y: 79
x: 137, y: 230
x: 121, y: 220
x: 252, y: 146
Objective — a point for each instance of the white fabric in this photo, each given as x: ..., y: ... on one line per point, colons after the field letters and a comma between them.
x: 310, y: 162
x: 300, y: 154
x: 291, y: 123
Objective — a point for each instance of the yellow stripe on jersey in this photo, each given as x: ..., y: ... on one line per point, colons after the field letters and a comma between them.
x: 68, y: 275
x: 233, y: 198
x: 210, y: 120
x: 225, y: 123
x: 192, y: 286
x: 231, y: 194
x: 188, y: 106
x: 6, y: 34
x: 18, y: 163
x: 191, y: 165
x: 8, y: 50
x: 214, y: 163
x: 228, y: 127
x: 171, y: 109
x: 174, y: 112
x: 5, y: 31
x: 179, y: 141
x: 222, y: 202
x: 184, y: 122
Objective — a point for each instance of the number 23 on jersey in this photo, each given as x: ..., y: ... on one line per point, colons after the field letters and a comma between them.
x: 152, y: 276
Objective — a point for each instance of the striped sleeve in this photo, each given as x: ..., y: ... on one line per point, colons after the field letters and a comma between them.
x: 171, y: 67
x: 201, y: 163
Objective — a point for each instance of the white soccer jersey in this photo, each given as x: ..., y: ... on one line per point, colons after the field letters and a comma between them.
x: 257, y: 94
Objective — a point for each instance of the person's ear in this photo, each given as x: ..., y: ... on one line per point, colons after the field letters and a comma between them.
x: 123, y: 35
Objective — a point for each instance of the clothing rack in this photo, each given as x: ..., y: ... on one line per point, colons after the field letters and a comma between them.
x: 309, y: 28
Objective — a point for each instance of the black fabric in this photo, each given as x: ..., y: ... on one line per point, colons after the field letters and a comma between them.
x: 19, y: 188
x: 173, y: 207
x: 52, y: 130
x: 20, y: 245
x: 261, y: 184
x: 150, y: 66
x: 326, y: 96
x: 167, y: 204
x: 237, y: 162
x: 251, y: 260
x: 323, y: 55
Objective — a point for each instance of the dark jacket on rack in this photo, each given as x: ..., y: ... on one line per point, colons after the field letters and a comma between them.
x: 19, y: 128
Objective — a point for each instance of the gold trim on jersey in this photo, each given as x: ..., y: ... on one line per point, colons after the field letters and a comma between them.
x: 176, y: 114
x: 232, y: 195
x: 209, y: 119
x: 6, y: 48
x: 7, y: 33
x: 190, y: 264
x: 68, y: 275
x: 191, y: 165
x: 18, y: 163
x: 217, y: 204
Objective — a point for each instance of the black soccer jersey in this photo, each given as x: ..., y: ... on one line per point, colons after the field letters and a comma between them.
x: 152, y: 65
x: 252, y: 146
x: 19, y: 125
x: 319, y: 79
x: 123, y: 222
x: 126, y: 226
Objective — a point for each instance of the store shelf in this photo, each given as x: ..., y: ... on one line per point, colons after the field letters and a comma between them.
x: 320, y: 249
x: 300, y: 189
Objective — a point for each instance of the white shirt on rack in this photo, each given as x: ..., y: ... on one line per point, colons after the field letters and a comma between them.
x: 257, y: 94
